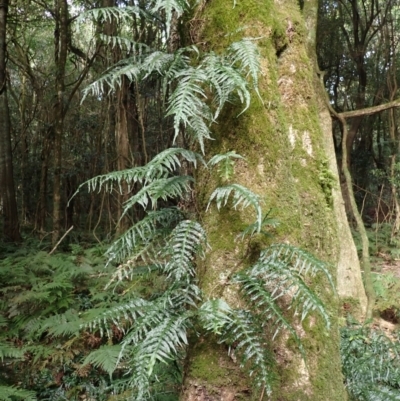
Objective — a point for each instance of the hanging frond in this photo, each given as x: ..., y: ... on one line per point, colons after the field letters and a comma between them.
x: 138, y: 49
x: 110, y: 13
x: 225, y: 164
x: 286, y: 277
x: 265, y: 305
x: 225, y: 81
x: 188, y: 98
x: 245, y: 54
x: 162, y: 343
x: 161, y: 166
x: 162, y: 188
x: 245, y: 337
x: 156, y: 224
x: 102, y: 319
x: 242, y: 196
x: 302, y: 261
x: 186, y: 242
x: 169, y: 7
x: 215, y: 315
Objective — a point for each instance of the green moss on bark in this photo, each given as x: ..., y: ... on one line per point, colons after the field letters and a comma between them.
x: 281, y: 140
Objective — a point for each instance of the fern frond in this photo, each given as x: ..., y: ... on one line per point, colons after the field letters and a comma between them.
x: 103, y: 319
x: 161, y: 166
x: 186, y: 104
x: 382, y: 393
x: 10, y: 393
x: 225, y: 80
x: 155, y: 224
x: 3, y: 321
x: 9, y: 351
x: 245, y: 54
x: 186, y: 242
x: 286, y: 279
x: 198, y: 129
x: 215, y: 315
x: 162, y: 188
x: 242, y: 196
x: 139, y: 49
x: 225, y: 164
x: 370, y: 363
x: 265, y: 305
x: 169, y: 7
x: 302, y: 261
x: 162, y: 342
x: 109, y: 13
x: 244, y: 332
x: 64, y: 324
x: 106, y: 358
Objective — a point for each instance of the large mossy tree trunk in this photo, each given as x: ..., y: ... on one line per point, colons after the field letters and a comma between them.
x: 290, y: 161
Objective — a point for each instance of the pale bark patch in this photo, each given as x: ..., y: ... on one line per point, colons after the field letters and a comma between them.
x: 307, y: 144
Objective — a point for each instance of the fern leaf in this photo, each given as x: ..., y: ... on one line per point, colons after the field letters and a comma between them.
x: 242, y: 196
x: 263, y: 302
x: 225, y: 164
x: 155, y: 224
x: 186, y: 104
x: 161, y: 166
x: 225, y: 80
x: 9, y: 351
x: 106, y: 358
x: 162, y: 342
x: 169, y: 7
x: 185, y: 243
x: 162, y: 188
x: 301, y: 260
x: 285, y: 279
x: 215, y: 315
x: 9, y: 393
x: 102, y: 319
x: 109, y: 13
x: 244, y: 331
x: 245, y: 53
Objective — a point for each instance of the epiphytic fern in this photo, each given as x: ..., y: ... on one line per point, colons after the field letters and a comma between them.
x: 241, y: 196
x: 225, y: 164
x: 155, y: 328
x: 284, y: 269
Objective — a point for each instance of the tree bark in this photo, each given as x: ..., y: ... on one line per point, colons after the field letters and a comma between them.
x: 290, y: 162
x: 8, y: 203
x: 60, y: 58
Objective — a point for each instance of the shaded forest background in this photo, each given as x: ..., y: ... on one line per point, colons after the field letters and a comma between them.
x: 71, y: 109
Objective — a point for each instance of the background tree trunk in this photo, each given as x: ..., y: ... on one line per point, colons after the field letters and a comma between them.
x: 8, y: 204
x: 290, y: 162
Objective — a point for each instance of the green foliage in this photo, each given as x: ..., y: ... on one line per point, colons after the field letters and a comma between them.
x: 193, y: 80
x: 242, y: 196
x: 8, y: 393
x: 387, y: 290
x: 370, y: 363
x: 164, y: 247
x: 225, y: 164
x: 327, y: 181
x: 43, y: 299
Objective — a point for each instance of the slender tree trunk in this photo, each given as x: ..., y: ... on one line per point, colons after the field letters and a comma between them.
x: 122, y: 148
x: 60, y: 58
x: 8, y: 204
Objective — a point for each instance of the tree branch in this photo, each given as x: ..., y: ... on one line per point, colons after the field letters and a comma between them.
x: 369, y: 110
